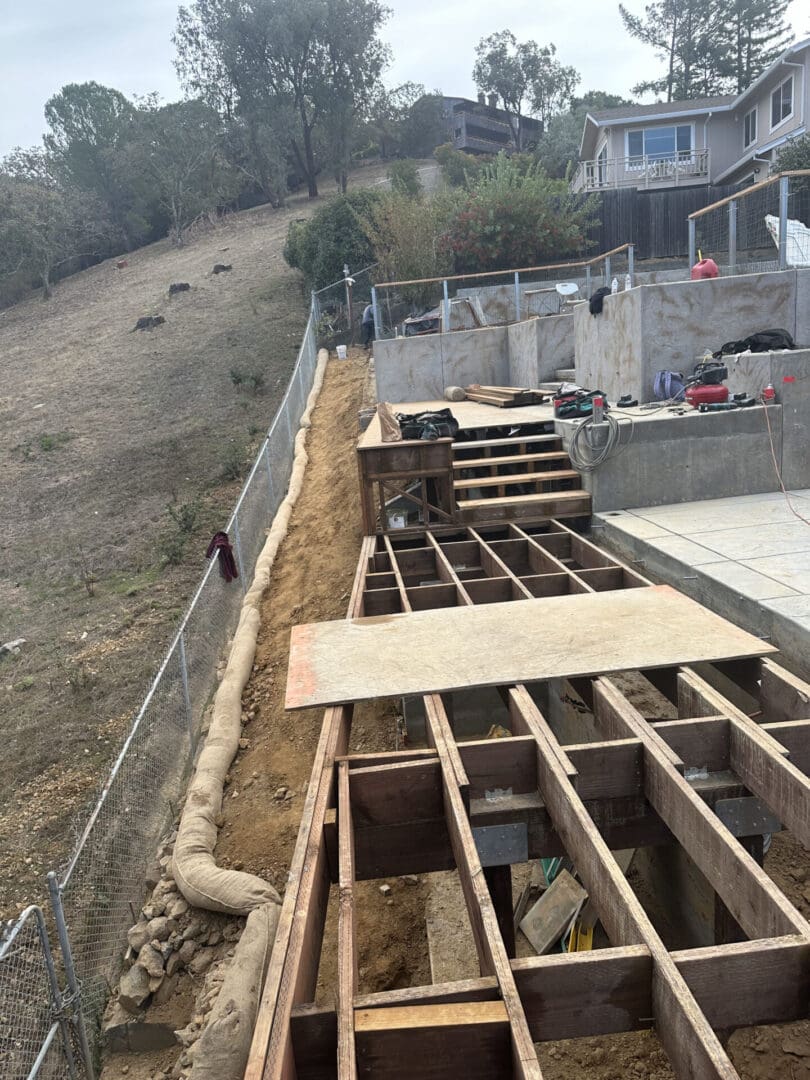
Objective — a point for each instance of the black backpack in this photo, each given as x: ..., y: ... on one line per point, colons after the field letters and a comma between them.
x: 762, y: 341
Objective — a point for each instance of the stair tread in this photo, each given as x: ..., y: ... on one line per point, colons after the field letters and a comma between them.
x: 510, y: 459
x: 544, y: 497
x: 516, y: 478
x: 512, y: 440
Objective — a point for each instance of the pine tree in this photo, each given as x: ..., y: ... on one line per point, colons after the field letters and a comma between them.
x: 757, y: 33
x: 709, y: 46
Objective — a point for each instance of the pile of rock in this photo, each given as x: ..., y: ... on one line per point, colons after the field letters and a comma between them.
x: 169, y: 939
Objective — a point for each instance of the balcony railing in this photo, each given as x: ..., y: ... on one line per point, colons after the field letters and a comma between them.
x: 657, y: 170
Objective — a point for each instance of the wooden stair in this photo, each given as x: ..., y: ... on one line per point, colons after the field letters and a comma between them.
x: 523, y: 477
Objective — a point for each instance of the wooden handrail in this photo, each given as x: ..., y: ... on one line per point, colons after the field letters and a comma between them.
x: 747, y: 191
x: 501, y: 273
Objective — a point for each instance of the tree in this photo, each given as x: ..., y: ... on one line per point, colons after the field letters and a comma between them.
x: 680, y: 31
x: 524, y: 76
x: 179, y: 150
x: 333, y: 236
x: 558, y: 151
x: 406, y: 120
x: 316, y: 62
x: 514, y: 215
x: 709, y: 46
x: 43, y: 225
x: 90, y: 126
x: 757, y: 34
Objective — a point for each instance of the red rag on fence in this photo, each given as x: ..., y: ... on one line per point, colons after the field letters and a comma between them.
x: 227, y: 564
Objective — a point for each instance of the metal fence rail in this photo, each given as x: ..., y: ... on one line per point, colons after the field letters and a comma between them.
x: 35, y: 1029
x: 763, y: 227
x: 97, y: 898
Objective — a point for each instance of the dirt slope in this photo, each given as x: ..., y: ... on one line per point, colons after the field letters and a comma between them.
x: 101, y: 428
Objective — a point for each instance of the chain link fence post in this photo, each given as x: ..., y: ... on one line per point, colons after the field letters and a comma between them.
x: 70, y: 973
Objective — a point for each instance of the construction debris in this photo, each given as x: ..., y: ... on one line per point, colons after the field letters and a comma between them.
x: 553, y: 913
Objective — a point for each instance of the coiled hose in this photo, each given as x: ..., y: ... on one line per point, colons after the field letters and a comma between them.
x: 585, y: 455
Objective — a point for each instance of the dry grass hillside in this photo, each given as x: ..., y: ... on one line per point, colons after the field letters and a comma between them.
x: 102, y: 429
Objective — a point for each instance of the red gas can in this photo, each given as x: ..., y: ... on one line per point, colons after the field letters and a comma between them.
x: 706, y: 395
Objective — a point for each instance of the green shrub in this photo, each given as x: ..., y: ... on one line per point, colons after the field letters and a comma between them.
x: 233, y: 462
x: 334, y: 235
x: 405, y: 180
x: 459, y: 169
x: 515, y: 215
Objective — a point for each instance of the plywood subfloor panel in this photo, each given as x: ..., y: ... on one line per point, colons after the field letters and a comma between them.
x: 499, y: 644
x: 471, y: 415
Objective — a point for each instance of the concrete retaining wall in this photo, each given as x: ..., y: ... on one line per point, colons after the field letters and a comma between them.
x: 523, y: 354
x: 655, y: 327
x: 676, y: 459
x: 419, y: 368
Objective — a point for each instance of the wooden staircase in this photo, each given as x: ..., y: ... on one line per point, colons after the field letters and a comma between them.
x: 516, y: 478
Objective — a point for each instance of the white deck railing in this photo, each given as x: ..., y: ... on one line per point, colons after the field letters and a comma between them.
x: 683, y: 167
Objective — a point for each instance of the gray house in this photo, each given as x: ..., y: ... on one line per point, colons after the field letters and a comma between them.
x: 717, y: 140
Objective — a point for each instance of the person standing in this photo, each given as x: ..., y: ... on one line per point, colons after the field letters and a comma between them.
x: 367, y: 326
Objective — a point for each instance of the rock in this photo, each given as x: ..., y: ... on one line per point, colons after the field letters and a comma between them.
x: 152, y: 875
x: 280, y: 793
x: 215, y: 937
x: 155, y: 907
x: 232, y: 932
x: 244, y: 744
x: 194, y: 929
x: 12, y: 646
x: 159, y: 929
x: 133, y: 990
x: 155, y: 983
x: 138, y: 935
x: 410, y: 879
x: 166, y: 989
x: 385, y: 890
x: 150, y: 959
x: 178, y: 908
x: 202, y: 961
x: 187, y: 951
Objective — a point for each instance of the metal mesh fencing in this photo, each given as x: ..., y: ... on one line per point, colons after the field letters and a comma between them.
x: 414, y: 308
x: 763, y: 227
x: 99, y: 895
x: 341, y: 306
x: 34, y: 1036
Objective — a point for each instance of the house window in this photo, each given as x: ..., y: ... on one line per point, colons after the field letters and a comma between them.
x: 659, y: 144
x: 782, y: 102
x: 750, y: 128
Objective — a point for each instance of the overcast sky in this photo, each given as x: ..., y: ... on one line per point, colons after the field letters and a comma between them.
x: 48, y: 43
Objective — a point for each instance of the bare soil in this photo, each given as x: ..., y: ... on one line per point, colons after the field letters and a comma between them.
x: 101, y: 429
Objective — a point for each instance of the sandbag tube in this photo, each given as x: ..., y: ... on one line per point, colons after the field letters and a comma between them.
x: 199, y: 879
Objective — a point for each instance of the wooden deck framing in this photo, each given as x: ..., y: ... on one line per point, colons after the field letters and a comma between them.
x: 369, y: 816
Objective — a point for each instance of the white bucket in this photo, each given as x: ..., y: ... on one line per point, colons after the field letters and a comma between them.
x: 341, y: 352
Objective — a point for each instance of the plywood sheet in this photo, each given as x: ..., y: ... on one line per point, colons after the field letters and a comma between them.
x: 501, y: 644
x: 471, y: 416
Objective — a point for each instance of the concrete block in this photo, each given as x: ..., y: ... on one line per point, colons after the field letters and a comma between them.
x: 608, y: 347
x: 409, y: 369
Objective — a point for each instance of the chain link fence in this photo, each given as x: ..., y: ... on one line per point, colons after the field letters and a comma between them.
x: 35, y: 1035
x: 99, y: 895
x: 763, y: 227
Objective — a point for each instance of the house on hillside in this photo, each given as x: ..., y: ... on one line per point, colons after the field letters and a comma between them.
x: 480, y: 127
x: 717, y: 140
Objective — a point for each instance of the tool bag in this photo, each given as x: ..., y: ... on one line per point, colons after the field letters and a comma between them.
x: 762, y: 341
x: 568, y: 406
x: 669, y: 386
x: 428, y: 425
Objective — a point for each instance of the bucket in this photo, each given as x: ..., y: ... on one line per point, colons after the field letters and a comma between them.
x: 341, y: 352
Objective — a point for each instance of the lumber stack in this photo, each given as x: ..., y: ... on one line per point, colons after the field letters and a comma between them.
x: 504, y: 397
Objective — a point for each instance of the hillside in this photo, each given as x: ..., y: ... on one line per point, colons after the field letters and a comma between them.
x: 101, y: 430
